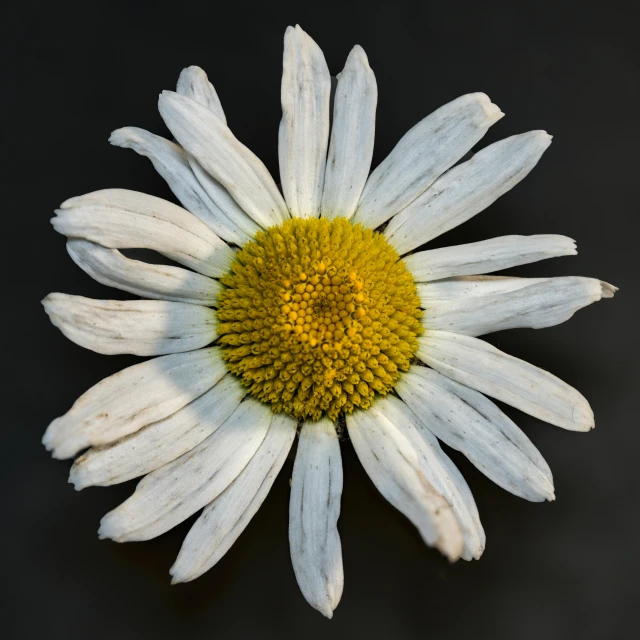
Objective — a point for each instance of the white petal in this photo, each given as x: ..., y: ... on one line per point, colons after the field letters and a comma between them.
x: 508, y: 303
x: 140, y: 327
x: 439, y: 471
x: 161, y: 282
x: 481, y: 366
x: 172, y: 163
x: 226, y: 517
x: 314, y: 509
x: 137, y: 396
x: 486, y: 256
x: 121, y: 219
x: 169, y: 495
x: 423, y: 154
x: 159, y: 442
x: 304, y: 128
x: 352, y: 136
x: 193, y: 83
x: 455, y: 289
x: 211, y: 142
x: 467, y: 189
x: 467, y: 421
x: 395, y: 467
x: 222, y: 198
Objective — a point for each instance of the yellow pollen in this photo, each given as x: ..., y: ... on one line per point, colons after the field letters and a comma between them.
x: 318, y: 317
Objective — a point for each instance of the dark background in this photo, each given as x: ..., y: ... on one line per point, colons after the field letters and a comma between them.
x: 74, y: 72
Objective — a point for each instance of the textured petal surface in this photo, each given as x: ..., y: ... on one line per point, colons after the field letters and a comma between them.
x: 121, y: 219
x: 172, y: 163
x: 467, y: 287
x: 169, y: 495
x: 140, y: 327
x: 304, y: 128
x: 352, y: 136
x: 423, y: 154
x: 226, y: 517
x: 314, y: 509
x: 137, y: 396
x: 212, y: 144
x: 486, y: 256
x: 467, y: 189
x: 478, y: 306
x: 481, y: 366
x: 467, y: 421
x: 223, y: 200
x: 193, y: 83
x: 161, y: 441
x: 395, y: 467
x: 439, y: 471
x: 161, y: 282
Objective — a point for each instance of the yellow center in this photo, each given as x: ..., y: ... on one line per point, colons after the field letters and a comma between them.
x: 319, y: 317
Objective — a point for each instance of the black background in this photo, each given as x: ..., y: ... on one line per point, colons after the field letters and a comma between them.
x: 74, y: 72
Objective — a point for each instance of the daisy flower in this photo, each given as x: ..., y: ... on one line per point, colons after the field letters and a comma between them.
x: 307, y: 311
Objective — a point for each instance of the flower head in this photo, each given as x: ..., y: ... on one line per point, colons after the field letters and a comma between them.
x: 301, y: 310
x: 319, y: 317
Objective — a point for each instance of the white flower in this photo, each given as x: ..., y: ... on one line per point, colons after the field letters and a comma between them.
x: 316, y: 318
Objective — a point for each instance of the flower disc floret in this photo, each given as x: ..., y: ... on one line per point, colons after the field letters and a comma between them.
x: 318, y: 317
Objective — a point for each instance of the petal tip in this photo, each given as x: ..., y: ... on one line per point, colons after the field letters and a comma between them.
x: 357, y: 55
x: 492, y: 111
x: 176, y: 578
x: 193, y: 69
x: 47, y: 440
x: 325, y: 610
x: 608, y: 290
x: 103, y: 531
x: 544, y: 137
x: 48, y: 301
x: 120, y: 137
x: 76, y: 477
x: 166, y: 95
x: 583, y: 418
x: 452, y: 549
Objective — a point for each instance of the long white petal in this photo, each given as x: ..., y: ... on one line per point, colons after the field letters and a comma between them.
x: 169, y: 495
x: 140, y: 327
x: 211, y: 142
x: 467, y: 189
x: 486, y: 256
x: 222, y: 198
x: 227, y: 516
x: 304, y: 128
x: 439, y: 471
x: 314, y: 509
x: 509, y: 303
x: 161, y: 282
x: 172, y: 163
x: 481, y: 366
x: 470, y: 287
x: 467, y: 421
x: 137, y: 396
x: 423, y: 154
x: 395, y: 467
x: 352, y: 136
x: 193, y: 83
x: 159, y: 442
x: 122, y: 219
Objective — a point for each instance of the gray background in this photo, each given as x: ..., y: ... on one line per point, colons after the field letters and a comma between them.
x: 73, y: 72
